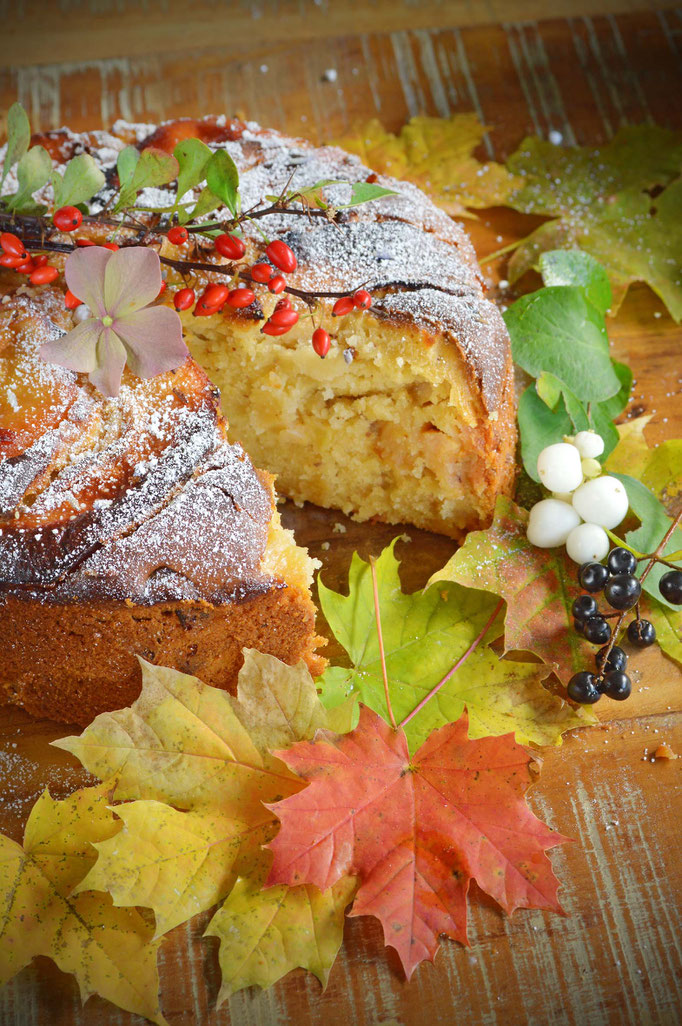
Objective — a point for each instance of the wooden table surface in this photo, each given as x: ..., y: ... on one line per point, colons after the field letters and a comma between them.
x: 616, y: 958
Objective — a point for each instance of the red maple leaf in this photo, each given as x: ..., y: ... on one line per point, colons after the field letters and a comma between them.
x: 415, y: 831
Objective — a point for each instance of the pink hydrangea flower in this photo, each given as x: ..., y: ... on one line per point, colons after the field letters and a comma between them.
x: 117, y: 287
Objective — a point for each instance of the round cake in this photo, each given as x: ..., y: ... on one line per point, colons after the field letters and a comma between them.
x: 134, y: 527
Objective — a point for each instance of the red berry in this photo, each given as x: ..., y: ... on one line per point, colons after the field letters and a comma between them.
x: 71, y: 301
x: 164, y: 286
x: 285, y: 317
x: 241, y: 297
x: 67, y: 219
x: 277, y: 284
x: 343, y: 306
x: 261, y: 272
x: 85, y: 242
x: 282, y: 256
x: 13, y: 245
x: 230, y: 246
x: 40, y: 259
x: 184, y: 299
x: 7, y: 260
x: 44, y: 275
x: 178, y: 235
x: 111, y: 245
x: 27, y: 267
x: 211, y: 300
x: 321, y: 342
x: 283, y: 304
x: 274, y: 329
x: 362, y: 299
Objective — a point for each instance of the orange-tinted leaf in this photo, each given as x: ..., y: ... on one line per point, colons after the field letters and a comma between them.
x: 538, y: 585
x: 415, y: 831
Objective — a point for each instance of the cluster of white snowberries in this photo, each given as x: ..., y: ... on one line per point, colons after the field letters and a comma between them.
x: 584, y: 502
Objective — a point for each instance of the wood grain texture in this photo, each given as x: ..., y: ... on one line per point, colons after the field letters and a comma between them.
x: 616, y: 958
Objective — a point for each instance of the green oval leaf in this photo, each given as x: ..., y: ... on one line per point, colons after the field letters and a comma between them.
x: 18, y: 137
x: 79, y: 183
x: 222, y: 178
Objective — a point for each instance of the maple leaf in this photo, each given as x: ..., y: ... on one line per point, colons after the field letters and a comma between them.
x: 415, y: 830
x: 109, y: 950
x: 264, y: 934
x: 198, y: 766
x: 538, y: 585
x: 424, y: 634
x: 599, y: 200
x: 436, y: 155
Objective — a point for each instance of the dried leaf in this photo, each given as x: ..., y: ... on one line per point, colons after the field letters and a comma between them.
x: 436, y: 154
x: 415, y: 830
x: 109, y: 950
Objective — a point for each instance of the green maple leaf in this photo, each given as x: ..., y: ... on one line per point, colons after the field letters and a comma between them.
x: 599, y: 199
x: 424, y: 634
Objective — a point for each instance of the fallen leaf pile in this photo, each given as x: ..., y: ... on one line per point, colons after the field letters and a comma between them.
x: 194, y: 785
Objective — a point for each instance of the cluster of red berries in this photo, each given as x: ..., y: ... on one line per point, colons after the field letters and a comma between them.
x: 215, y: 296
x: 284, y: 316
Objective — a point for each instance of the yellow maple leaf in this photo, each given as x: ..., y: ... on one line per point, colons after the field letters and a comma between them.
x: 108, y: 949
x: 197, y: 763
x: 436, y: 154
x: 265, y: 933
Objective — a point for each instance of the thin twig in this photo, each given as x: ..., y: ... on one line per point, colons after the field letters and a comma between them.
x: 441, y: 683
x: 382, y: 654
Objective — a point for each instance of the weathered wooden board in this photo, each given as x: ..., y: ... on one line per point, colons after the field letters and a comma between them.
x: 617, y: 957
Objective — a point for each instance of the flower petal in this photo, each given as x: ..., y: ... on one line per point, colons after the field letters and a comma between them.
x: 85, y: 273
x: 77, y: 350
x: 111, y: 359
x: 132, y: 280
x: 153, y: 340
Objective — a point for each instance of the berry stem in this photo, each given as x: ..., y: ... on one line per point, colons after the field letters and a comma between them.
x: 441, y: 683
x: 380, y: 638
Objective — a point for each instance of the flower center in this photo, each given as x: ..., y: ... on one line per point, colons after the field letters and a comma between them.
x: 107, y: 321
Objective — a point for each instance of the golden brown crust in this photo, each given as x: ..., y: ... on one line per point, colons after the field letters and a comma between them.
x: 70, y: 662
x: 128, y: 527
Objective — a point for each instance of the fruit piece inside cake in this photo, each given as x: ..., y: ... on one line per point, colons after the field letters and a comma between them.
x: 130, y: 526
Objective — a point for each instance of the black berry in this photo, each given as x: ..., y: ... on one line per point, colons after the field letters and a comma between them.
x: 593, y: 576
x: 641, y: 633
x: 621, y: 561
x: 597, y: 630
x: 582, y: 688
x: 623, y: 591
x: 579, y: 626
x: 617, y: 660
x: 670, y: 587
x: 584, y: 607
x: 617, y: 685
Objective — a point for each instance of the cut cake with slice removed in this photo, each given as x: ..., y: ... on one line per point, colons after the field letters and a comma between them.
x: 129, y: 527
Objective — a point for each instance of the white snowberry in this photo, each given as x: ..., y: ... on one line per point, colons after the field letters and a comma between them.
x: 551, y: 521
x: 589, y: 444
x: 587, y: 543
x: 602, y: 501
x: 559, y: 467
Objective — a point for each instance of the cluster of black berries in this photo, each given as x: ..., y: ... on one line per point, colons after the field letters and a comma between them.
x: 622, y: 591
